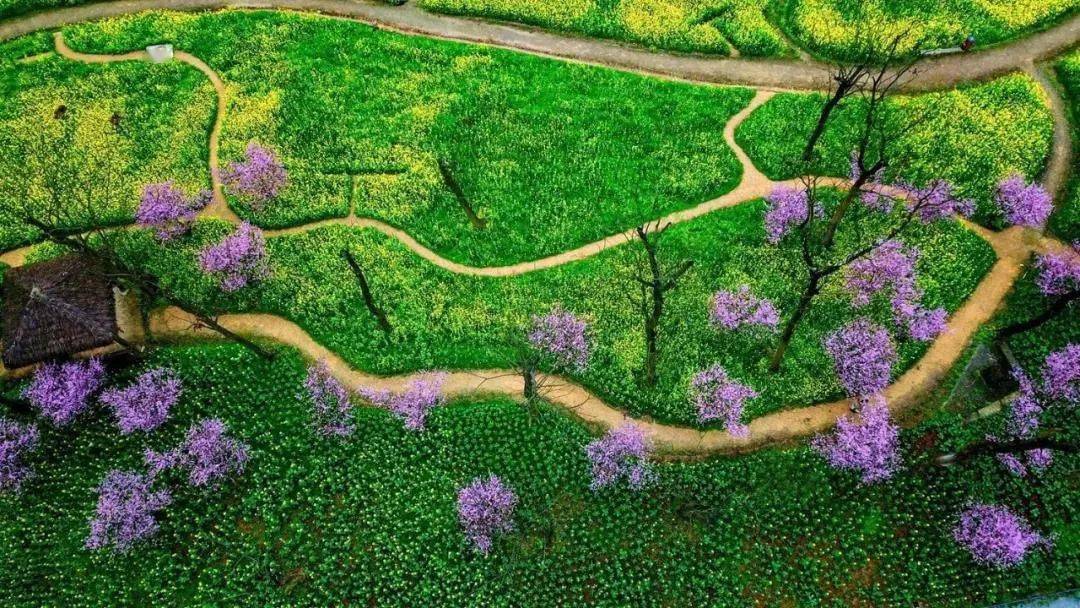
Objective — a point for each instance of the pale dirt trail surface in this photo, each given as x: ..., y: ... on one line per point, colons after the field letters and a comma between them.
x: 935, y: 73
x: 1013, y: 247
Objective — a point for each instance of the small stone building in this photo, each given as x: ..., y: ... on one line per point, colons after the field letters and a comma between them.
x: 56, y: 308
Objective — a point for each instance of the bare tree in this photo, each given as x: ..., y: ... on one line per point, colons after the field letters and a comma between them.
x: 365, y: 292
x: 653, y: 285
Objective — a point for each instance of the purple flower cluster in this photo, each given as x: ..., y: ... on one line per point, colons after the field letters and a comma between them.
x: 561, y: 336
x: 996, y: 536
x: 622, y: 453
x: 868, y: 444
x: 1061, y: 374
x: 207, y: 453
x: 891, y: 266
x: 127, y: 504
x: 1023, y: 419
x: 863, y: 356
x: 144, y: 405
x: 733, y: 309
x: 332, y: 407
x: 16, y: 440
x: 166, y: 209
x: 1024, y: 204
x: 936, y: 201
x: 486, y: 508
x: 1059, y: 272
x: 258, y: 178
x: 239, y: 259
x: 62, y: 391
x: 786, y: 208
x: 421, y: 396
x: 1034, y: 461
x: 718, y: 397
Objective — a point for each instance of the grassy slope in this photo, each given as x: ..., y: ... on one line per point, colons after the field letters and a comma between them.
x: 371, y: 520
x: 535, y: 144
x: 164, y: 113
x: 444, y: 320
x: 972, y: 137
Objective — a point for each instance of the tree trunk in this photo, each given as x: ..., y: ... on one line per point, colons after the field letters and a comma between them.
x: 841, y: 210
x: 986, y: 448
x: 528, y: 374
x: 1056, y: 307
x: 365, y: 291
x: 823, y: 120
x: 652, y: 331
x: 812, y: 289
x: 455, y: 188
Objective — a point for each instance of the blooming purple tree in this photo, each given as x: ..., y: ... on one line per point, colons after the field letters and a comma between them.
x: 622, y: 453
x: 786, y: 208
x: 62, y: 391
x: 126, y: 509
x: 863, y: 356
x: 164, y: 208
x: 561, y: 338
x: 1024, y: 204
x: 485, y: 509
x: 258, y: 178
x: 1061, y: 374
x: 867, y: 443
x: 719, y: 397
x: 16, y: 440
x: 238, y: 260
x: 996, y: 536
x: 414, y: 404
x: 208, y: 454
x: 144, y: 405
x: 330, y: 400
x: 1059, y: 281
x: 891, y: 267
x: 733, y: 309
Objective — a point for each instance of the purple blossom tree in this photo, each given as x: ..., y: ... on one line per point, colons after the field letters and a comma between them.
x: 485, y: 509
x: 62, y: 391
x: 733, y: 309
x: 144, y: 405
x: 238, y: 260
x: 331, y: 404
x: 1024, y: 204
x: 413, y: 406
x: 207, y: 454
x: 718, y: 397
x: 1026, y: 408
x: 867, y: 442
x: 995, y: 536
x: 935, y: 202
x: 16, y: 441
x: 1061, y: 374
x: 785, y: 209
x: 891, y: 267
x: 622, y: 453
x: 259, y: 178
x: 126, y: 509
x: 1059, y: 281
x: 863, y: 356
x: 164, y: 208
x: 560, y: 337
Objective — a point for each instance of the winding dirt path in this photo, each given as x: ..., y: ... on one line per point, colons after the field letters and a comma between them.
x: 935, y: 73
x: 1013, y: 247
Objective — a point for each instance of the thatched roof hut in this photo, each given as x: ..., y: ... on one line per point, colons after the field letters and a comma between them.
x: 56, y: 308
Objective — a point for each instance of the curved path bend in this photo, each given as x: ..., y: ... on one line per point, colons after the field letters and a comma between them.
x: 1013, y: 247
x: 934, y: 73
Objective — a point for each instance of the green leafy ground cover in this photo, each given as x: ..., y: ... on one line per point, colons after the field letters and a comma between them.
x: 1066, y: 220
x: 536, y: 145
x: 371, y: 520
x: 162, y: 120
x: 973, y: 136
x: 444, y: 320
